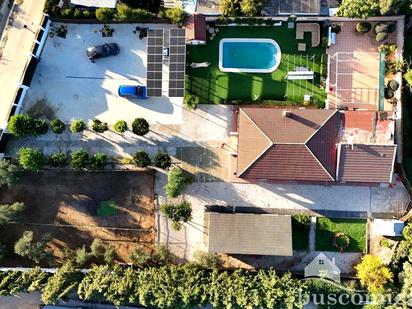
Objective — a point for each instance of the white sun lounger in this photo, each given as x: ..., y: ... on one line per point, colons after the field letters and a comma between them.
x: 308, y: 75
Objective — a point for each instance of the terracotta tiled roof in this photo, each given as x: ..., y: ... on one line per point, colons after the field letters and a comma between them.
x: 195, y: 26
x: 366, y: 163
x: 298, y: 146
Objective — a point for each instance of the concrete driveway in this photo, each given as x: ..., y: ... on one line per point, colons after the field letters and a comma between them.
x: 75, y: 88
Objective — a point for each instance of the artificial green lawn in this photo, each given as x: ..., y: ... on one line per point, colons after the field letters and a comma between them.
x: 355, y: 229
x: 300, y: 236
x: 107, y: 208
x: 214, y: 86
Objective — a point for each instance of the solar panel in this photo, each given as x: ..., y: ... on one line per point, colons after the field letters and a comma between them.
x: 154, y: 62
x: 177, y: 60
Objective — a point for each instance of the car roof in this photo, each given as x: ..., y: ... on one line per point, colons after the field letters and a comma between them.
x: 125, y: 89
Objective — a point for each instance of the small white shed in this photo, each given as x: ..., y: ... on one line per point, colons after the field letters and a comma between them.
x: 388, y: 227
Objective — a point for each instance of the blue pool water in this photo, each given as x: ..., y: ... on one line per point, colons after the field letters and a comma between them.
x: 248, y: 56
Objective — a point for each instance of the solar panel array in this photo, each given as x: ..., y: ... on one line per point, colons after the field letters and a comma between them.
x: 154, y: 62
x: 177, y: 60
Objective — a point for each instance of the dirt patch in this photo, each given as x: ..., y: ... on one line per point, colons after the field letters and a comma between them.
x: 42, y: 109
x: 64, y: 203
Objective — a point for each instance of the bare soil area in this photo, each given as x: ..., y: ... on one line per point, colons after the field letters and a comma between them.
x: 64, y: 203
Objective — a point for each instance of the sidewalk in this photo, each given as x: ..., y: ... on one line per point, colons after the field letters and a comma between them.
x: 14, y: 50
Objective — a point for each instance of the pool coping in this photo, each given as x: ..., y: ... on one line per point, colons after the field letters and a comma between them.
x: 243, y: 70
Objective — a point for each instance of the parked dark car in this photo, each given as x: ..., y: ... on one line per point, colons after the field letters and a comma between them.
x: 100, y: 51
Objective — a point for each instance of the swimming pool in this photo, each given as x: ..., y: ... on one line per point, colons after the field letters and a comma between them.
x: 249, y: 55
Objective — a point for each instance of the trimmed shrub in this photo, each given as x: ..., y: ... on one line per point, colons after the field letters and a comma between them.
x: 96, y: 248
x: 58, y: 159
x: 105, y: 14
x: 393, y: 84
x: 77, y: 14
x: 67, y: 13
x: 162, y: 160
x: 88, y: 14
x: 381, y: 36
x: 176, y: 181
x: 20, y: 125
x: 139, y: 258
x: 363, y: 27
x: 191, y: 101
x: 57, y: 126
x: 178, y: 213
x: 23, y: 125
x: 381, y: 27
x: 141, y: 159
x: 389, y: 94
x: 79, y: 160
x: 30, y: 159
x: 120, y: 126
x: 98, y: 160
x: 392, y: 28
x: 77, y: 126
x: 40, y: 126
x: 140, y: 126
x: 99, y: 126
x: 82, y: 256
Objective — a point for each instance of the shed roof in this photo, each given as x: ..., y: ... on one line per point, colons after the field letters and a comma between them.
x: 96, y: 3
x: 255, y: 234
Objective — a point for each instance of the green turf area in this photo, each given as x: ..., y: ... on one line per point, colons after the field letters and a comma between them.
x: 355, y: 229
x: 214, y: 86
x: 300, y: 236
x: 407, y: 118
x: 107, y: 208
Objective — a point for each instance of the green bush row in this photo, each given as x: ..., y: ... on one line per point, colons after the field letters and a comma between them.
x: 161, y: 159
x: 171, y: 286
x: 24, y: 125
x: 32, y: 159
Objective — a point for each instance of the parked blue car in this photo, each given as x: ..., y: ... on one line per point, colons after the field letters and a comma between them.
x: 139, y: 92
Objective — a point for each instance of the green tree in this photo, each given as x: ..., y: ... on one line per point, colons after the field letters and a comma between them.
x: 230, y: 8
x: 11, y: 213
x: 176, y: 15
x: 21, y: 125
x: 126, y: 13
x: 141, y: 159
x: 99, y: 126
x: 140, y: 126
x: 30, y: 159
x: 109, y: 254
x: 62, y: 283
x: 105, y: 14
x: 120, y: 126
x: 178, y: 213
x: 162, y: 160
x: 58, y: 159
x: 96, y: 248
x: 139, y: 258
x: 373, y: 274
x: 359, y: 8
x: 77, y: 126
x: 35, y: 251
x: 80, y: 158
x: 98, y: 160
x: 176, y: 181
x: 82, y: 256
x: 57, y: 126
x: 252, y: 8
x: 8, y: 174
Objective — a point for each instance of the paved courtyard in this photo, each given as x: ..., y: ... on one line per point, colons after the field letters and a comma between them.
x: 286, y: 198
x: 73, y: 87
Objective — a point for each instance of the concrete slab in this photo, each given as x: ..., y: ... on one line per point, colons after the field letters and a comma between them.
x: 75, y: 88
x: 372, y: 200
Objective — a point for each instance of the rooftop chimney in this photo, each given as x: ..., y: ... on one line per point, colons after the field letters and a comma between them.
x: 287, y: 113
